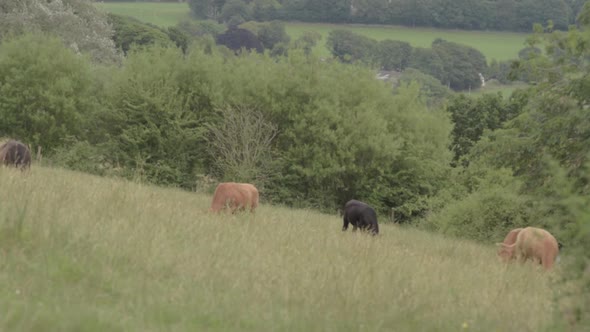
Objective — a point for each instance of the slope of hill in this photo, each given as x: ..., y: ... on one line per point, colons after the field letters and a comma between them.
x: 84, y: 253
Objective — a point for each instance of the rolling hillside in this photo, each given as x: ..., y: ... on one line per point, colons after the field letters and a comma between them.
x: 494, y: 45
x: 83, y: 253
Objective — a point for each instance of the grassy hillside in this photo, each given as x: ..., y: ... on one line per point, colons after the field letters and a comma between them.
x: 494, y: 45
x: 82, y: 253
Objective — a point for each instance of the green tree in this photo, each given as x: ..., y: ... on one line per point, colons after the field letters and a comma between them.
x: 132, y: 32
x: 235, y: 12
x: 471, y: 117
x: 307, y: 41
x: 265, y: 10
x: 155, y: 124
x: 240, y: 145
x: 47, y: 94
x: 461, y: 65
x: 430, y: 88
x: 78, y: 23
x: 350, y: 47
x: 206, y: 9
x: 273, y: 33
x: 393, y: 54
x: 427, y: 61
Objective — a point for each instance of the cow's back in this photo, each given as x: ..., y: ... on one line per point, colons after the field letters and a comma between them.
x: 15, y: 153
x: 538, y: 244
x: 511, y: 236
x: 237, y: 195
x: 361, y: 214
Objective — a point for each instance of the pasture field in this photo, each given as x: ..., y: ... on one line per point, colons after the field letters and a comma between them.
x: 83, y: 253
x: 494, y: 45
x: 160, y: 13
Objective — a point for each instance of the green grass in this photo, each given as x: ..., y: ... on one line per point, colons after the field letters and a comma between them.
x: 163, y: 14
x: 494, y: 45
x: 82, y: 253
x: 494, y: 87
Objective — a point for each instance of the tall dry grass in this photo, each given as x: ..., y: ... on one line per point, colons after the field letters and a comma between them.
x: 82, y: 253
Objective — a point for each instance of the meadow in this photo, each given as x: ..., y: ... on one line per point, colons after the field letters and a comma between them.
x: 494, y: 45
x: 84, y: 253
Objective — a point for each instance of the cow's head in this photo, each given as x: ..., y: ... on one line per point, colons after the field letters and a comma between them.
x: 505, y: 251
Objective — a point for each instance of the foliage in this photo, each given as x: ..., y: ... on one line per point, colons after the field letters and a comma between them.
x: 486, y: 205
x: 471, y: 117
x: 273, y: 33
x: 155, y: 126
x: 131, y: 32
x: 265, y: 10
x: 393, y: 54
x: 78, y: 24
x: 461, y: 65
x: 235, y: 12
x: 430, y: 88
x: 206, y: 9
x: 195, y: 29
x: 180, y: 39
x: 350, y: 47
x: 427, y: 61
x: 237, y: 39
x: 240, y: 145
x: 47, y: 92
x: 499, y: 70
x: 307, y: 41
x: 515, y: 15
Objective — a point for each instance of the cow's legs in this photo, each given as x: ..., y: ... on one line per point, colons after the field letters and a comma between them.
x: 345, y: 225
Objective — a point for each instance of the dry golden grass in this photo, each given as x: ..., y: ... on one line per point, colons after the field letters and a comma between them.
x: 84, y: 253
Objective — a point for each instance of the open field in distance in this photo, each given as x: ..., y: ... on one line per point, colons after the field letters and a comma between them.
x: 494, y: 45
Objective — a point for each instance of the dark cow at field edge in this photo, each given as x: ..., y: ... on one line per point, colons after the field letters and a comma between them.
x: 360, y: 215
x: 15, y: 153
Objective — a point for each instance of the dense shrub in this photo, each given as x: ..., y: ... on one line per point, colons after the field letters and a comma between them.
x: 46, y: 91
x: 130, y: 31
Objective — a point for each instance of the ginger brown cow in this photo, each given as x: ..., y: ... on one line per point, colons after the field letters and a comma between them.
x: 236, y: 196
x: 532, y: 243
x: 15, y: 153
x: 512, y: 235
x: 511, y: 238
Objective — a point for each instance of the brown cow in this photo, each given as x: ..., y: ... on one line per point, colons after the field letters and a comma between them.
x: 531, y: 243
x: 15, y: 153
x: 511, y: 238
x: 236, y: 196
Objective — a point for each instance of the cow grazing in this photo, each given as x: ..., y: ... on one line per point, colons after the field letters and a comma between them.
x: 234, y: 196
x: 15, y: 153
x: 511, y: 237
x: 360, y: 215
x: 531, y: 243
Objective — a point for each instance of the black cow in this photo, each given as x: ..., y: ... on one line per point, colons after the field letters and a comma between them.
x: 15, y: 153
x: 360, y: 215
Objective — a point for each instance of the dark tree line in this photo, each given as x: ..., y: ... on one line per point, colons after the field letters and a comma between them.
x: 511, y: 15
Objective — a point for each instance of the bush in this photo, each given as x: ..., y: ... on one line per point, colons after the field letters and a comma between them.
x: 485, y: 210
x: 130, y: 31
x: 47, y: 92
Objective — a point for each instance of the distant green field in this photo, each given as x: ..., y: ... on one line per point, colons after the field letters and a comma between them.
x: 162, y: 14
x: 494, y: 45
